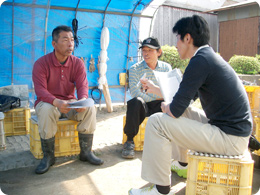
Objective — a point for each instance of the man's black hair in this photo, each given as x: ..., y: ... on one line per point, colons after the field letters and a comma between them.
x: 196, y: 26
x: 56, y: 31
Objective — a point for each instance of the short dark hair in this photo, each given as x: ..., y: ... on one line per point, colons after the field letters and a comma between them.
x: 56, y: 32
x: 196, y: 26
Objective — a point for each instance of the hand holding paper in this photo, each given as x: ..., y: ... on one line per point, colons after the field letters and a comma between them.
x: 82, y: 103
x: 169, y: 83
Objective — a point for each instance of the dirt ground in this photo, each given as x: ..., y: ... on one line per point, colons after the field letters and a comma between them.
x: 69, y: 176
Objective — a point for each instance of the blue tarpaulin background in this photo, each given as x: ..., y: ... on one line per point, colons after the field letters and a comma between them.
x: 23, y: 39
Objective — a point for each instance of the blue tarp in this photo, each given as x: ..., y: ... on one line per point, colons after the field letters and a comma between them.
x: 22, y: 34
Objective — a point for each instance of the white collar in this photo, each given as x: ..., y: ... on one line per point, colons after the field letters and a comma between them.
x: 200, y: 48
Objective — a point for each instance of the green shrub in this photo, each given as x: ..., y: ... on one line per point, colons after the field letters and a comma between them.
x: 257, y: 57
x: 245, y: 64
x: 171, y: 56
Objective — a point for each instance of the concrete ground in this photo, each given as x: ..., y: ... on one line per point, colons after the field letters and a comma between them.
x: 69, y: 176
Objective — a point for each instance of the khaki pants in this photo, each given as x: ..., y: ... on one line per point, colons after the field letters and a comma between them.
x: 165, y: 136
x: 48, y: 116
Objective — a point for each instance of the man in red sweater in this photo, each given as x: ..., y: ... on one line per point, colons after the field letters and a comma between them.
x: 56, y: 76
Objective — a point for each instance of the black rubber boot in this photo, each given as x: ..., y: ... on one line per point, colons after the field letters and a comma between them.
x: 48, y: 156
x: 86, y: 154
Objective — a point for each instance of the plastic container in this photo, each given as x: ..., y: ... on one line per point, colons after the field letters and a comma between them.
x: 123, y: 78
x: 16, y: 121
x: 257, y: 133
x: 66, y: 139
x: 253, y: 93
x: 139, y: 138
x: 2, y: 132
x: 210, y: 175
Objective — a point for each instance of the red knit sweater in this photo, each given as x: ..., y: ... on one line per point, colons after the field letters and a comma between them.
x: 54, y: 80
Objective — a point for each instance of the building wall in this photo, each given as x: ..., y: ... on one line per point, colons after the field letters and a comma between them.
x: 239, y: 30
x: 239, y: 12
x: 166, y: 18
x: 238, y: 37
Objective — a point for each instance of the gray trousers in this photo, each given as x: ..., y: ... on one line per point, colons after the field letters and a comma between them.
x: 166, y: 136
x: 48, y: 116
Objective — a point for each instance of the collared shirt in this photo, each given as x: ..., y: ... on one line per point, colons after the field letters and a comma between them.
x: 203, y: 46
x: 54, y: 80
x: 137, y: 71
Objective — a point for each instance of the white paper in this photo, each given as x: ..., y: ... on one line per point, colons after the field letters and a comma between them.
x: 82, y: 103
x: 169, y: 83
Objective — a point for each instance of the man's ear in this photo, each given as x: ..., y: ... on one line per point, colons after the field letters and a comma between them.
x: 187, y: 38
x: 53, y: 43
x: 160, y: 52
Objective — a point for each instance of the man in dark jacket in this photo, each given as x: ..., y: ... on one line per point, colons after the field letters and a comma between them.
x: 223, y: 128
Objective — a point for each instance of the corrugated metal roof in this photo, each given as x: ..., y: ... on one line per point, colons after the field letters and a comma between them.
x: 200, y: 5
x: 241, y: 4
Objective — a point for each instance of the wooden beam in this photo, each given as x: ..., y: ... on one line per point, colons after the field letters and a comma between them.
x: 107, y: 97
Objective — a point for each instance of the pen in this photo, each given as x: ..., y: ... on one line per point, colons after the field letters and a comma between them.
x: 140, y: 79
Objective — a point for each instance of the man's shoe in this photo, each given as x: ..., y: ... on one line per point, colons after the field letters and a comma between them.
x: 180, y: 170
x: 147, y: 191
x: 128, y: 150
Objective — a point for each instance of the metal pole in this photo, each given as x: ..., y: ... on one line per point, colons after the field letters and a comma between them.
x: 77, y: 9
x: 12, y: 81
x: 105, y: 13
x: 130, y: 28
x: 153, y: 19
x: 46, y: 24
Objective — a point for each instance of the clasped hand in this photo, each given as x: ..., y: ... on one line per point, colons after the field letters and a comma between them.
x: 148, y: 85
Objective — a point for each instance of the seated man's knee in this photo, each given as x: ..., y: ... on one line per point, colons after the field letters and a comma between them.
x: 136, y: 101
x: 140, y: 101
x: 89, y: 113
x: 47, y: 109
x: 152, y: 122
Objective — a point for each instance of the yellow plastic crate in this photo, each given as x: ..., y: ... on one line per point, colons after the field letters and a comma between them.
x: 139, y: 138
x: 253, y: 93
x: 16, y: 121
x: 210, y: 175
x: 123, y: 78
x: 257, y: 132
x: 66, y: 139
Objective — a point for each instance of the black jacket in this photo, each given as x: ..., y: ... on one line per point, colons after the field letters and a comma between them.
x: 222, y: 95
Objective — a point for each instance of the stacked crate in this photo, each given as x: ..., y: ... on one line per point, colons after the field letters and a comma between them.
x: 16, y: 121
x: 253, y: 93
x: 257, y: 135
